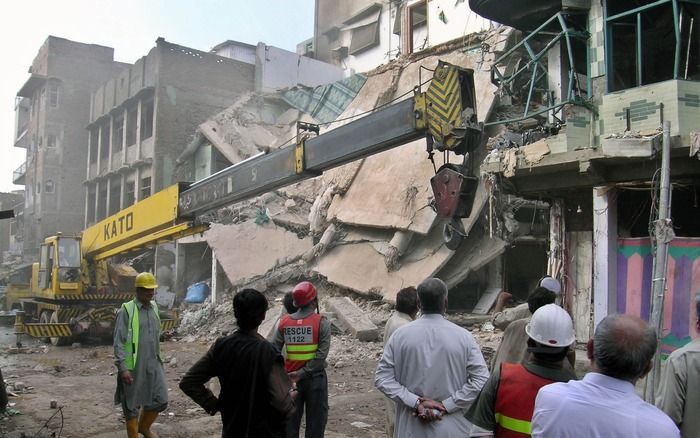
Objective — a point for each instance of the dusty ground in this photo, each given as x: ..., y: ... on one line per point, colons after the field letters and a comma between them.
x: 81, y: 380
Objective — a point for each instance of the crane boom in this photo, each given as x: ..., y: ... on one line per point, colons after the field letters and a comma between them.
x: 446, y: 113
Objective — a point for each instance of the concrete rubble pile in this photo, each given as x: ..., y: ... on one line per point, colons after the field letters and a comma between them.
x: 366, y: 227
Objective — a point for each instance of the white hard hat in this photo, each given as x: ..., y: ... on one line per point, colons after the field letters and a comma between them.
x: 551, y: 283
x: 550, y: 325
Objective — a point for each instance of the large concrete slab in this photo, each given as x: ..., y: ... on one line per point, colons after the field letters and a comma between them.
x: 360, y: 267
x: 353, y: 319
x: 247, y: 250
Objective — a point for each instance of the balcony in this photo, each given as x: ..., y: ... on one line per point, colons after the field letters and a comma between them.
x: 18, y: 175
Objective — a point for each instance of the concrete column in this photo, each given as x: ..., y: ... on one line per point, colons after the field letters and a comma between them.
x: 125, y: 115
x: 139, y: 108
x: 87, y: 201
x: 604, y: 252
x: 110, y: 141
x: 99, y: 149
x: 109, y: 197
x: 180, y: 266
x: 214, y: 276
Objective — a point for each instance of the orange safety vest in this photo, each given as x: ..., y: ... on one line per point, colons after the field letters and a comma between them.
x: 300, y: 340
x: 515, y: 400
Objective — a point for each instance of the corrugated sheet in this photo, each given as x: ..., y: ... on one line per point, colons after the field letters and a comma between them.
x: 326, y: 102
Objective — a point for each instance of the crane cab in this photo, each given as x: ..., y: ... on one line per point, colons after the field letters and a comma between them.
x: 58, y: 272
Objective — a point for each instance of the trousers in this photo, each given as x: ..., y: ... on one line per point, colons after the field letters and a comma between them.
x: 312, y: 398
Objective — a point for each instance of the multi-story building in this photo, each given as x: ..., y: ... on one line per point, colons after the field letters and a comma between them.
x: 52, y: 110
x: 142, y: 119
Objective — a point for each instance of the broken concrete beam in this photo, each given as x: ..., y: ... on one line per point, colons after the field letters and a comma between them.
x: 353, y: 318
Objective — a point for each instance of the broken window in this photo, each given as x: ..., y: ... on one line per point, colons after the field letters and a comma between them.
x: 53, y: 95
x: 90, y: 206
x: 416, y: 27
x: 364, y: 26
x: 131, y: 126
x: 104, y: 142
x: 102, y: 202
x: 118, y: 138
x: 129, y: 193
x: 94, y: 135
x: 147, y: 119
x: 51, y: 141
x: 640, y: 33
x: 115, y: 193
x: 145, y: 187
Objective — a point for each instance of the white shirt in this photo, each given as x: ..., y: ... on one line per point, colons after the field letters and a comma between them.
x: 598, y: 406
x: 396, y: 320
x: 434, y: 358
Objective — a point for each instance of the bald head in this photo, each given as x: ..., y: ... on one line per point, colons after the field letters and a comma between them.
x: 623, y: 346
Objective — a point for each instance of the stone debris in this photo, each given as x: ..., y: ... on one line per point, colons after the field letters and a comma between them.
x: 354, y: 320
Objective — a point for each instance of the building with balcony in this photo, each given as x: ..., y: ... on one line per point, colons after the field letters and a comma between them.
x: 141, y: 119
x: 584, y: 93
x: 51, y: 112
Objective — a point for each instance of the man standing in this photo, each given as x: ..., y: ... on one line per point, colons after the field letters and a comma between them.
x: 503, y: 317
x: 406, y: 310
x: 513, y: 346
x: 506, y: 402
x: 604, y: 404
x: 433, y: 370
x: 306, y: 336
x: 255, y: 398
x: 141, y: 378
x: 679, y: 392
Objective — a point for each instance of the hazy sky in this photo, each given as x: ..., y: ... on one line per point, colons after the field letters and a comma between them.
x: 131, y: 28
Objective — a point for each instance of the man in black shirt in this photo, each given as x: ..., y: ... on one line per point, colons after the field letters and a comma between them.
x: 256, y: 393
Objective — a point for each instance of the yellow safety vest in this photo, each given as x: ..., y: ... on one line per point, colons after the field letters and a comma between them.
x: 131, y: 346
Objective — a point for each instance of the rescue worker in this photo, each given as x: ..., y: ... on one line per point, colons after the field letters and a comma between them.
x: 306, y: 336
x: 505, y: 404
x: 141, y: 388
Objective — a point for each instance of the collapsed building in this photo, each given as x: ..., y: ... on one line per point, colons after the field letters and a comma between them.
x: 569, y: 165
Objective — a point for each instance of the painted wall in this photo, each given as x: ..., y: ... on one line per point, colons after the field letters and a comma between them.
x: 635, y: 267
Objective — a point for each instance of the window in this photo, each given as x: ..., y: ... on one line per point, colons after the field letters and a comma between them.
x: 131, y: 126
x: 90, y: 206
x: 118, y: 139
x: 145, y: 187
x: 115, y: 193
x: 129, y: 193
x: 364, y: 28
x: 102, y: 202
x: 94, y: 135
x: 639, y: 33
x: 38, y: 187
x: 416, y: 35
x: 53, y: 95
x: 49, y: 186
x: 147, y: 119
x: 51, y: 141
x: 104, y: 142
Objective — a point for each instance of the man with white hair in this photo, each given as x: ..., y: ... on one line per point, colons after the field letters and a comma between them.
x: 432, y: 369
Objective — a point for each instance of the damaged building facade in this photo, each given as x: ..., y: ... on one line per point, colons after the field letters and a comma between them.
x: 51, y: 112
x: 583, y: 97
x: 568, y: 164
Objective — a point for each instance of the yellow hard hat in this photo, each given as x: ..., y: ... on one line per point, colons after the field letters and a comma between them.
x: 146, y: 280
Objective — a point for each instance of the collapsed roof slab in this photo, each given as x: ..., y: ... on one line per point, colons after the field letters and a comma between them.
x: 271, y: 246
x: 477, y: 250
x: 360, y: 266
x: 392, y: 189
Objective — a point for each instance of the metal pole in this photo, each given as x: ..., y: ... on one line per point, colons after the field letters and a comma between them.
x: 662, y: 235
